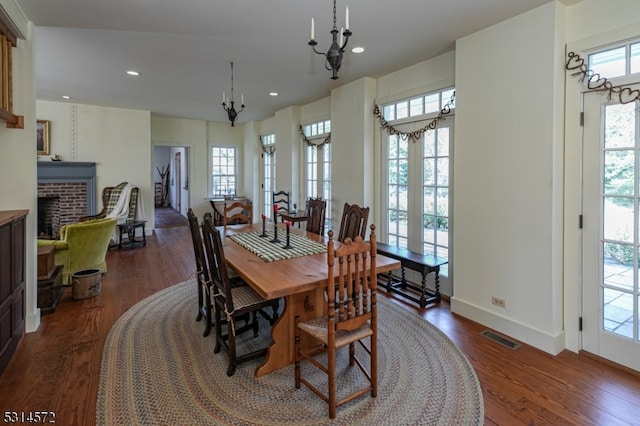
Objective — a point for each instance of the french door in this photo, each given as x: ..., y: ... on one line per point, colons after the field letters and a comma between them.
x: 611, y: 230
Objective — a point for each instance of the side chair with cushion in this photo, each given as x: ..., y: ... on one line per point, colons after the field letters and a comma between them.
x: 236, y: 213
x: 354, y: 221
x: 81, y: 246
x: 234, y: 301
x: 111, y: 197
x: 351, y: 318
x: 203, y: 280
x: 316, y: 213
x: 281, y: 200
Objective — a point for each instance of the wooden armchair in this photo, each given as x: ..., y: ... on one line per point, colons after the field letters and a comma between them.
x: 351, y: 318
x: 110, y: 198
x: 236, y: 213
x: 316, y: 213
x: 232, y: 301
x: 354, y: 221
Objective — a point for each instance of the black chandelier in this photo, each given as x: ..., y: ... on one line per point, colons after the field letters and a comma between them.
x: 333, y: 57
x: 231, y: 111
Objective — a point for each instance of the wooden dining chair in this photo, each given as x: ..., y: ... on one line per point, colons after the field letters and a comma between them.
x: 234, y: 302
x: 316, y: 211
x: 237, y: 213
x: 203, y: 280
x: 354, y: 221
x: 281, y: 199
x: 351, y: 318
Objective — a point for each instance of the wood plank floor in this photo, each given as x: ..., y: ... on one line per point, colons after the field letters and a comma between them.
x: 57, y: 367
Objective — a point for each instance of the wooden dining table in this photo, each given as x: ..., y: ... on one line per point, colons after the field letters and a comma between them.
x: 300, y: 281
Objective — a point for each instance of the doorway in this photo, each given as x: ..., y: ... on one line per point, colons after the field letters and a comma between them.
x: 174, y: 211
x: 611, y: 234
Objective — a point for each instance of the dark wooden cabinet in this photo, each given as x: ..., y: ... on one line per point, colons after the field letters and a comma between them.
x: 12, y: 282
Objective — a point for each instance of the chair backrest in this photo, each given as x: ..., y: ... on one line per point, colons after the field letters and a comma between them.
x: 217, y: 265
x: 281, y: 200
x: 353, y: 302
x: 111, y: 195
x: 237, y: 213
x: 316, y: 212
x: 354, y: 221
x: 202, y: 271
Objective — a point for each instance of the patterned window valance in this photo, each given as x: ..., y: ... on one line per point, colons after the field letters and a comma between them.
x: 416, y: 134
x: 318, y: 145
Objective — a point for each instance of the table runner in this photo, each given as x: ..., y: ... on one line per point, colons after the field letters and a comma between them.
x: 269, y: 252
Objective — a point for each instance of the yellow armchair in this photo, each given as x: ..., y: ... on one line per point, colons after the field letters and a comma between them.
x: 82, y: 246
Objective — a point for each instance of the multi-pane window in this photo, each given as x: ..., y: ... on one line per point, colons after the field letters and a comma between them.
x: 318, y: 164
x: 616, y: 61
x: 268, y: 172
x: 223, y: 171
x: 417, y: 191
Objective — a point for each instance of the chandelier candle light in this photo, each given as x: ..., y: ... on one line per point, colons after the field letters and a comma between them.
x: 333, y: 57
x: 231, y: 111
x: 264, y: 232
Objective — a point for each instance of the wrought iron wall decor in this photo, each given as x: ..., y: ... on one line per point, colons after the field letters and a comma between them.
x: 416, y: 134
x: 596, y: 82
x: 325, y: 141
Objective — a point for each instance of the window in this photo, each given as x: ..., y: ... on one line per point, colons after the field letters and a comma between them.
x: 616, y: 61
x: 318, y: 164
x: 268, y: 172
x: 417, y: 184
x: 223, y: 171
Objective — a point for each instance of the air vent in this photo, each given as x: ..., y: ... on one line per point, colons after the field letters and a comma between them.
x: 500, y: 339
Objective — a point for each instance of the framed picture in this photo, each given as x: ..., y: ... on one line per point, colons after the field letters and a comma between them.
x: 42, y: 137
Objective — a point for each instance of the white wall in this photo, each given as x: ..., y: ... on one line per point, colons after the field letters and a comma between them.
x: 18, y: 158
x: 508, y: 179
x: 118, y: 140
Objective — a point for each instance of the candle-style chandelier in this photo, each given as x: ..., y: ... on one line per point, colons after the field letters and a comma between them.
x: 333, y: 57
x: 230, y: 109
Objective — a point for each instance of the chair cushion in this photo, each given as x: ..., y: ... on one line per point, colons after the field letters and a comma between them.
x: 317, y: 328
x: 245, y: 297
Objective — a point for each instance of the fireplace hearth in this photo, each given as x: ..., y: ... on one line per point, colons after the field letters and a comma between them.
x: 66, y: 192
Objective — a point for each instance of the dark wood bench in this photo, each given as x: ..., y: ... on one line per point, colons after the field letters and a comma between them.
x: 425, y: 264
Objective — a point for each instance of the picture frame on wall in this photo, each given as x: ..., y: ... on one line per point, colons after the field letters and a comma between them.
x: 42, y: 137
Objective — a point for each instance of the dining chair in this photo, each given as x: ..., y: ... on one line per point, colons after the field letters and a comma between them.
x: 236, y: 213
x: 202, y: 274
x: 316, y: 211
x: 234, y: 302
x: 281, y: 199
x: 351, y: 318
x: 354, y: 221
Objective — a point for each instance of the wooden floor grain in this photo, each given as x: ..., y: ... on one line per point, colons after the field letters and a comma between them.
x: 57, y: 367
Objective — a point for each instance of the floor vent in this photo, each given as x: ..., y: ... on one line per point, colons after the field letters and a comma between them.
x: 500, y: 339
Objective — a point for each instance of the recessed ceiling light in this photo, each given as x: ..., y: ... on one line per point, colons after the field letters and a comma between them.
x: 66, y: 97
x: 133, y: 73
x: 357, y: 49
x: 273, y: 94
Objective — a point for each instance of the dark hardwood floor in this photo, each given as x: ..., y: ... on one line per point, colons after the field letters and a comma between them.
x: 57, y: 367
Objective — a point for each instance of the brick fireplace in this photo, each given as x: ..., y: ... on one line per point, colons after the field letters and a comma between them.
x: 66, y: 192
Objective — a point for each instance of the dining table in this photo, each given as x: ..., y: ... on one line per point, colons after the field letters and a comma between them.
x: 298, y: 275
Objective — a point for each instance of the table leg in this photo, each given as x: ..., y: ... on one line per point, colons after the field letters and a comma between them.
x: 282, y: 350
x: 423, y: 289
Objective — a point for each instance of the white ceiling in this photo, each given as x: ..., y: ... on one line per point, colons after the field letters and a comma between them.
x: 184, y: 48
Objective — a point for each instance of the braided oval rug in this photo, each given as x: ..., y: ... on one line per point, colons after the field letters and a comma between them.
x: 157, y: 369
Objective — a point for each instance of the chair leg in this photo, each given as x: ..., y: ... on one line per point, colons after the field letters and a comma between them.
x: 297, y: 353
x: 208, y: 311
x: 231, y: 342
x: 255, y: 324
x: 352, y: 354
x: 331, y: 366
x: 218, y: 316
x: 200, y: 300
